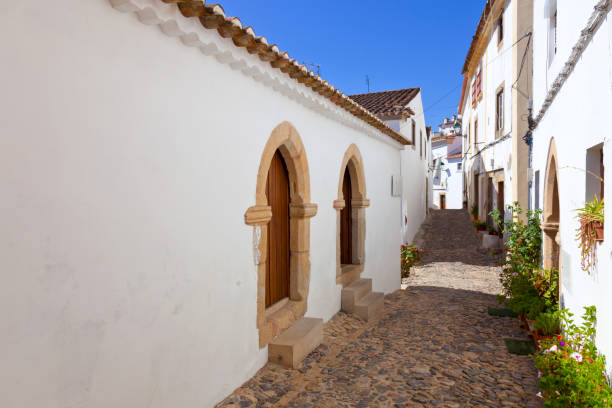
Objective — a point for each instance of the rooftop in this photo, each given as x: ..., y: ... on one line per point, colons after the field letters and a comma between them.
x: 387, y: 103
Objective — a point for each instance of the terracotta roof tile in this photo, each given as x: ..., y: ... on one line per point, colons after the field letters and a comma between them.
x: 387, y: 103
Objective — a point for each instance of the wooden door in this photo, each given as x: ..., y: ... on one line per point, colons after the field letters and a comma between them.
x: 443, y: 201
x: 489, y: 200
x: 476, y: 183
x: 346, y: 222
x: 277, y: 269
x: 500, y: 199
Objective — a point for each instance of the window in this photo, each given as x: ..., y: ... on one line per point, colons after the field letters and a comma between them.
x: 475, y: 134
x: 459, y: 166
x: 421, y: 144
x: 500, y: 29
x: 499, y: 112
x: 594, y: 183
x: 552, y: 30
x: 413, y: 133
x: 477, y: 87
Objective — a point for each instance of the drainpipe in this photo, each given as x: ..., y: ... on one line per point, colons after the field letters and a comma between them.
x: 528, y: 138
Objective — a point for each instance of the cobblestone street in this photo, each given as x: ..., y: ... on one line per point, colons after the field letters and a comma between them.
x: 435, y: 345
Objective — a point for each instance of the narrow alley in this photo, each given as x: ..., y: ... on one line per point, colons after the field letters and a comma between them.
x: 435, y: 346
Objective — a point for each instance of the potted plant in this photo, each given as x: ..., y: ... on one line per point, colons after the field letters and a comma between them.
x: 546, y: 326
x: 474, y: 211
x: 591, y: 218
x: 480, y: 226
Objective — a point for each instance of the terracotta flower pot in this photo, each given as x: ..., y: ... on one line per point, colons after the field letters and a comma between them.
x: 599, y: 231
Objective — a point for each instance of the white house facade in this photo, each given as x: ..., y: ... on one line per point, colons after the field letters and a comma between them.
x: 447, y: 166
x: 573, y: 73
x: 494, y: 102
x: 402, y: 110
x: 142, y: 145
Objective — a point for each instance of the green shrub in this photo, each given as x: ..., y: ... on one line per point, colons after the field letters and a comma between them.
x: 411, y: 255
x: 548, y: 324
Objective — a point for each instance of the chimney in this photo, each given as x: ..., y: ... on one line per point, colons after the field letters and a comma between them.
x: 454, y: 118
x: 445, y: 121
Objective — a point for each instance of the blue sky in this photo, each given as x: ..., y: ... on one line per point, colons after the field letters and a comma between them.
x: 397, y: 43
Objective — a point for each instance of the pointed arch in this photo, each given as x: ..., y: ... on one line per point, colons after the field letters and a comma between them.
x: 352, y: 163
x: 277, y: 318
x: 551, y: 214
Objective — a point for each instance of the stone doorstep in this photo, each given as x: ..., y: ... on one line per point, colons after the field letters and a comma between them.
x: 371, y: 306
x: 354, y: 292
x: 491, y: 241
x: 291, y: 346
x: 349, y: 274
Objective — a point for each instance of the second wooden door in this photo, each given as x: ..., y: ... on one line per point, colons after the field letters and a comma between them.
x: 346, y: 222
x: 277, y: 269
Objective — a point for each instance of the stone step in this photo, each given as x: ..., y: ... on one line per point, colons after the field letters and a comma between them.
x: 290, y: 348
x: 349, y: 274
x: 351, y: 294
x: 371, y: 306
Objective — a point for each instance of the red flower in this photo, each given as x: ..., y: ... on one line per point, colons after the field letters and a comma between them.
x: 559, y: 337
x: 520, y: 240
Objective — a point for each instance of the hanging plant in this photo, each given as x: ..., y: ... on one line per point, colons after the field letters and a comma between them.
x: 591, y: 218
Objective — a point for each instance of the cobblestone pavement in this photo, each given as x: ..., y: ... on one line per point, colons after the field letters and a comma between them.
x: 435, y: 346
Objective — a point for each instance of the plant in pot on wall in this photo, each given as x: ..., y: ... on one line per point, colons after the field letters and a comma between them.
x: 480, y: 226
x: 590, y: 232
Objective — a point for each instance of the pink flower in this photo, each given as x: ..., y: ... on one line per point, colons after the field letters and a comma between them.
x: 576, y: 356
x: 514, y: 274
x: 562, y: 343
x: 539, y: 395
x: 551, y: 350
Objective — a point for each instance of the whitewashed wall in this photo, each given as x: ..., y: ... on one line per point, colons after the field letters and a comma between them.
x: 127, y: 163
x: 452, y: 185
x: 577, y: 121
x: 414, y: 172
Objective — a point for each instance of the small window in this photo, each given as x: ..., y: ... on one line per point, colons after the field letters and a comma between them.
x: 552, y: 31
x: 413, y: 133
x: 500, y: 29
x: 499, y: 112
x: 594, y: 173
x: 459, y: 166
x: 421, y: 144
x: 475, y: 134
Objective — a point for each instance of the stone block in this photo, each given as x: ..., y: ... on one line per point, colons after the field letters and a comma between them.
x: 354, y: 292
x: 371, y: 306
x: 491, y: 241
x: 290, y: 348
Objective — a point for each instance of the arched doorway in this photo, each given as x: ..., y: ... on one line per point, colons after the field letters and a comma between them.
x: 351, y: 205
x: 551, y: 219
x: 281, y: 232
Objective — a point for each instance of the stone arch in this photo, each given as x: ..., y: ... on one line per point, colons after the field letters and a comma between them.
x: 353, y: 162
x: 551, y: 214
x: 275, y: 319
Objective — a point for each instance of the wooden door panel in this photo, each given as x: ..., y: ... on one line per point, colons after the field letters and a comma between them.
x: 277, y: 267
x: 346, y: 225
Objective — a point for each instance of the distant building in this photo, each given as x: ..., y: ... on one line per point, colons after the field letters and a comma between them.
x: 494, y: 100
x: 402, y: 110
x: 447, y: 165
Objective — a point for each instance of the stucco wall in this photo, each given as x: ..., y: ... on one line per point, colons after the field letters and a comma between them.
x: 496, y: 63
x: 127, y: 163
x: 414, y: 163
x: 576, y: 121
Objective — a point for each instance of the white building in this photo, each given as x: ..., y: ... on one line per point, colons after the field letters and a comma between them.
x: 494, y: 101
x: 447, y: 166
x: 572, y: 100
x: 402, y: 110
x: 154, y: 155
